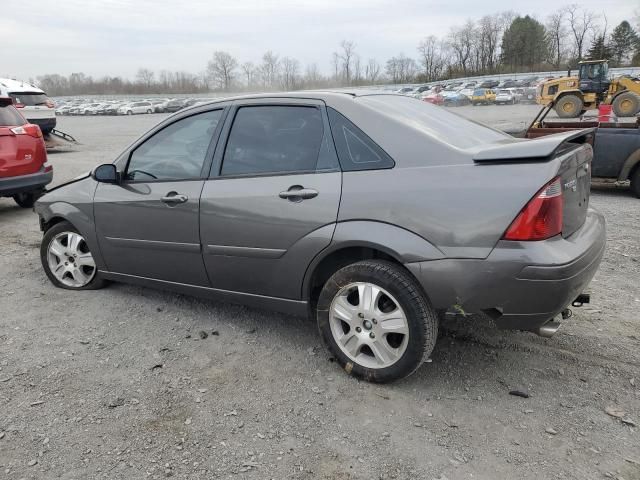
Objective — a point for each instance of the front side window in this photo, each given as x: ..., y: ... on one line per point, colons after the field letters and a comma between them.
x: 177, y: 152
x: 273, y: 139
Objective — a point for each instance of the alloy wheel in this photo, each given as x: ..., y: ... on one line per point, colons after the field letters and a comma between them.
x: 70, y: 260
x: 369, y: 325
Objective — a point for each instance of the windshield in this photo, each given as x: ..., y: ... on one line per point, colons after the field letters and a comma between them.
x: 478, y: 93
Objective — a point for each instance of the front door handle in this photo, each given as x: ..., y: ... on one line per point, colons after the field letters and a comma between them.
x: 173, y: 198
x: 297, y: 193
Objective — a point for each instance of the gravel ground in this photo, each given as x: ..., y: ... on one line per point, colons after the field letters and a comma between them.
x: 128, y: 382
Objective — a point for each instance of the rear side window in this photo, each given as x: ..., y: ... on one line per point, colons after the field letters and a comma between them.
x: 9, y: 117
x: 274, y: 139
x: 29, y: 99
x: 356, y: 150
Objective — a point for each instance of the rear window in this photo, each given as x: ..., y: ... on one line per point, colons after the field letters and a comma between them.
x: 438, y: 123
x: 9, y: 116
x: 29, y: 99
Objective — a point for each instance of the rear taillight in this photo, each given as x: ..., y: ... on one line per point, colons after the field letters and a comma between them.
x: 541, y: 218
x: 28, y: 129
x: 50, y: 104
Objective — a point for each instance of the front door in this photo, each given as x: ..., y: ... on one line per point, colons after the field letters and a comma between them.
x: 148, y: 225
x: 272, y: 202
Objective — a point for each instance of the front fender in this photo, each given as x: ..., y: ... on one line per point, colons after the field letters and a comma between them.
x: 73, y: 203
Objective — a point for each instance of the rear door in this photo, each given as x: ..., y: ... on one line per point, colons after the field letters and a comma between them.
x: 148, y: 225
x: 271, y: 203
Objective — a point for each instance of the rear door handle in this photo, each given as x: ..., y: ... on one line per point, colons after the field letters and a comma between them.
x: 173, y: 198
x: 297, y: 193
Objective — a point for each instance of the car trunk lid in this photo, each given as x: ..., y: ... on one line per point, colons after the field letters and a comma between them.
x: 573, y: 153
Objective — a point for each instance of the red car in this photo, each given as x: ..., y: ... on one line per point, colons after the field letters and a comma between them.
x: 434, y: 98
x: 24, y: 171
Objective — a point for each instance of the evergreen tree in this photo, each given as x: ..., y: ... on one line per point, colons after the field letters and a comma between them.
x: 624, y: 41
x: 599, y: 49
x: 525, y: 43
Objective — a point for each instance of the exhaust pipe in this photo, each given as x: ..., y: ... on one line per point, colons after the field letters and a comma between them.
x: 548, y: 329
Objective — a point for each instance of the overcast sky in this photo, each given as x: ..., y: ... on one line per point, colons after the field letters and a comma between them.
x: 116, y: 37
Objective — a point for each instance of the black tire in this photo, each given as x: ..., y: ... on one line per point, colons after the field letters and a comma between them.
x: 569, y: 106
x: 149, y: 112
x: 95, y: 283
x: 635, y: 181
x: 626, y: 104
x: 129, y: 112
x: 421, y: 317
x: 26, y: 199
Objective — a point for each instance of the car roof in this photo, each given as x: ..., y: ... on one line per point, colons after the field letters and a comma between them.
x: 18, y: 86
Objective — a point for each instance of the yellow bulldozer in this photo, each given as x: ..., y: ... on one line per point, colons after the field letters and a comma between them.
x: 592, y: 87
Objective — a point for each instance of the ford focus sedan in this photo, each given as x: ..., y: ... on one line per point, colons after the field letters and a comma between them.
x: 372, y: 212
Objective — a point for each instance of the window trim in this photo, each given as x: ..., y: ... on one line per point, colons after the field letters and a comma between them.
x: 216, y: 167
x: 207, y: 158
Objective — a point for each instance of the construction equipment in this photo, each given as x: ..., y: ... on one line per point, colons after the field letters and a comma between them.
x: 575, y: 95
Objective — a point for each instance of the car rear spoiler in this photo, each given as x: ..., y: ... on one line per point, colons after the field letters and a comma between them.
x: 539, y: 149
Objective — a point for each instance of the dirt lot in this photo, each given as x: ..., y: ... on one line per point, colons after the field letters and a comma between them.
x: 128, y: 383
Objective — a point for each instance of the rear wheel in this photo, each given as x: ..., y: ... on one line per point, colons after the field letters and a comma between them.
x: 635, y: 182
x: 26, y: 199
x: 627, y: 104
x: 149, y: 111
x: 129, y: 112
x: 376, y: 321
x: 67, y: 260
x: 569, y: 106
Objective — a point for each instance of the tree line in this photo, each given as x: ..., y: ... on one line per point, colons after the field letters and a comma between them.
x: 494, y: 44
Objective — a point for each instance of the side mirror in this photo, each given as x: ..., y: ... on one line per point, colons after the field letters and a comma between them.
x: 106, y: 173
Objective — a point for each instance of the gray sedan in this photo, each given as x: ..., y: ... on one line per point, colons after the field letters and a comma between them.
x: 373, y: 212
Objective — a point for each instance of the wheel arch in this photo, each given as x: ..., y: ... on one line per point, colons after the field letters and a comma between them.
x: 574, y: 91
x: 630, y: 164
x: 365, y: 240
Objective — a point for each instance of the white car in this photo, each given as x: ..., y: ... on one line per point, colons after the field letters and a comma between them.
x: 89, y: 108
x: 135, y: 107
x: 504, y: 97
x: 32, y: 102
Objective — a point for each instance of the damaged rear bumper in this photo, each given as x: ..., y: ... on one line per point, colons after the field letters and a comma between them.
x: 521, y: 285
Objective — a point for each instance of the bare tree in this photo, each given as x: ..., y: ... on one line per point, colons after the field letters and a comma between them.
x: 270, y: 69
x: 335, y: 61
x: 312, y: 76
x: 347, y: 56
x: 461, y: 40
x: 372, y: 71
x: 556, y: 33
x: 581, y: 21
x: 145, y: 77
x: 290, y: 73
x: 357, y: 69
x: 221, y: 69
x: 249, y: 70
x: 431, y: 58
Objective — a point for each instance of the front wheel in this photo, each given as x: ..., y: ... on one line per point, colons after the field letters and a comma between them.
x: 376, y: 321
x: 67, y: 260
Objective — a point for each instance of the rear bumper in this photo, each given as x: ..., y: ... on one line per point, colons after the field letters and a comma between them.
x: 45, y: 124
x: 521, y: 285
x: 24, y: 183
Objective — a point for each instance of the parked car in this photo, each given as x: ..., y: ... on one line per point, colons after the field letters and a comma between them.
x: 504, y: 97
x: 134, y: 108
x: 34, y: 104
x: 292, y: 215
x: 112, y: 108
x: 489, y: 84
x: 24, y: 171
x: 507, y: 83
x: 455, y: 99
x: 484, y: 96
x: 404, y: 90
x: 159, y: 104
x: 174, y: 105
x: 529, y: 95
x: 434, y: 98
x: 467, y: 92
